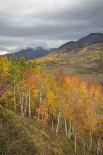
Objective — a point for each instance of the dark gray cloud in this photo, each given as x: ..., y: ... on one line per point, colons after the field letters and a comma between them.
x: 48, y: 23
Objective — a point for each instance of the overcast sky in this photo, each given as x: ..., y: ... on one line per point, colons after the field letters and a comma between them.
x: 48, y: 23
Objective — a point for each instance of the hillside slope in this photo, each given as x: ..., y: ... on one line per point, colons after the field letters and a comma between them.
x: 91, y: 39
x: 25, y: 136
x: 86, y: 63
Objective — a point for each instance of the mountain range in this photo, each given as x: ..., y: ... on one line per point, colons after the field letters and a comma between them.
x: 30, y: 53
x: 91, y: 39
x: 72, y: 46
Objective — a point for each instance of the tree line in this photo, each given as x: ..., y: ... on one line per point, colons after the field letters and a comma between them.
x: 60, y: 100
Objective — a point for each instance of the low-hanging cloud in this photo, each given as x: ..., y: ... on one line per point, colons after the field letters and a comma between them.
x: 47, y: 23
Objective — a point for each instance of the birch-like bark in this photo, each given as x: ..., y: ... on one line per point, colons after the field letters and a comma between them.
x: 75, y: 139
x: 98, y: 146
x: 57, y: 128
x: 58, y: 121
x: 52, y: 125
x: 22, y: 107
x: 66, y: 130
x: 25, y: 106
x: 70, y: 130
x: 91, y: 140
x: 73, y: 130
x: 29, y: 93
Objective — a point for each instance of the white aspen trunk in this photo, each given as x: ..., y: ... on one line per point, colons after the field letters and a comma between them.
x: 57, y: 128
x: 66, y: 130
x: 62, y: 122
x: 14, y: 97
x: 70, y: 128
x: 75, y: 139
x: 52, y: 125
x: 73, y: 130
x: 91, y: 141
x: 25, y: 106
x: 98, y: 146
x: 22, y: 107
x: 58, y: 123
x: 29, y: 102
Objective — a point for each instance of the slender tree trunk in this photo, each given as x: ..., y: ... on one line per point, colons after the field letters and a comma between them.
x: 22, y: 107
x: 29, y: 102
x: 25, y: 106
x: 98, y: 146
x: 70, y: 130
x: 66, y: 130
x: 75, y: 141
x: 14, y: 96
x: 52, y: 125
x: 73, y: 130
x: 59, y: 109
x: 91, y: 140
x: 57, y: 128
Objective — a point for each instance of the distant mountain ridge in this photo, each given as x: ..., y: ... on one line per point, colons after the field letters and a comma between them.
x: 91, y: 39
x: 30, y: 53
x: 72, y: 46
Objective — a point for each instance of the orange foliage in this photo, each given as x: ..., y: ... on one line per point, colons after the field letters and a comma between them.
x: 42, y: 111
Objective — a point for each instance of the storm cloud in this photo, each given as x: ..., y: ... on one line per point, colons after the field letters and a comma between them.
x: 48, y: 23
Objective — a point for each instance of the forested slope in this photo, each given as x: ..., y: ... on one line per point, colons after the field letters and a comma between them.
x: 25, y: 136
x: 48, y: 113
